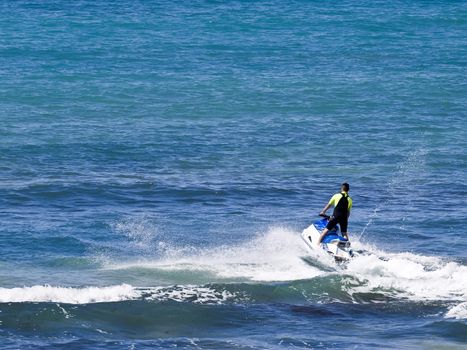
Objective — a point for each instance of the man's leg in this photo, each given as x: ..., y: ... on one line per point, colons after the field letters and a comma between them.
x: 325, y: 232
x: 331, y: 224
x: 343, y: 224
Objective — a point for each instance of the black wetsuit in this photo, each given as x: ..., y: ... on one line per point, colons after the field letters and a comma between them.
x: 340, y: 215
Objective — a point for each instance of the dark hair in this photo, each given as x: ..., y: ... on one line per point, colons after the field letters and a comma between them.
x: 345, y: 186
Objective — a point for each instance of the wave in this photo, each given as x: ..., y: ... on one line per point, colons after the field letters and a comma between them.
x: 118, y: 293
x: 409, y: 275
x: 280, y: 256
x: 458, y: 311
x: 68, y: 295
x: 273, y: 267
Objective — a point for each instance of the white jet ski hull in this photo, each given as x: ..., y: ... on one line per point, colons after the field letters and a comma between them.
x: 333, y: 243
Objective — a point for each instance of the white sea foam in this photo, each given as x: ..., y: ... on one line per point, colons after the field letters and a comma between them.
x: 190, y: 293
x: 409, y: 275
x: 68, y: 295
x: 458, y: 312
x: 124, y: 292
x: 277, y: 256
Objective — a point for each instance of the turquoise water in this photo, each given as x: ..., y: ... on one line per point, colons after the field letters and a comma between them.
x: 158, y: 162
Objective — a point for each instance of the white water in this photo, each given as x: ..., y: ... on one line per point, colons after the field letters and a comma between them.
x: 123, y: 292
x: 409, y: 275
x: 276, y: 256
x: 458, y: 311
x: 68, y: 295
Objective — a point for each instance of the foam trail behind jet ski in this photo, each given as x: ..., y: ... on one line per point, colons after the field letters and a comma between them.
x: 408, y: 275
x: 273, y: 256
x: 277, y: 255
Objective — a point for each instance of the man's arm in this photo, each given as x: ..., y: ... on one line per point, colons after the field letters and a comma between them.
x: 323, y: 212
x: 331, y: 202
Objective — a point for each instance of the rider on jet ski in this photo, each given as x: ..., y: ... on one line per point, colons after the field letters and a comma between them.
x: 342, y: 204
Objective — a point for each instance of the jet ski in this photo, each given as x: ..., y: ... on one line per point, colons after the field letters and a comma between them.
x: 334, y: 243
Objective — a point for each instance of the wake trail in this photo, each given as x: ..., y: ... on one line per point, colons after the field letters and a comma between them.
x: 274, y: 258
x: 278, y: 255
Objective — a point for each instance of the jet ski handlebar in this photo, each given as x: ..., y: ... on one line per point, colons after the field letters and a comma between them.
x: 324, y: 216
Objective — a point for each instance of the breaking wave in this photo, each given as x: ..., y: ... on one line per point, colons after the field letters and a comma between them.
x: 277, y: 267
x: 278, y: 256
x: 124, y: 292
x: 68, y: 295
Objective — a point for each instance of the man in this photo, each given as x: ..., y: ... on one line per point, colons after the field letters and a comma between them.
x: 342, y: 204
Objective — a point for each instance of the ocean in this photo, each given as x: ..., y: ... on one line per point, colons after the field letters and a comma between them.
x: 159, y: 160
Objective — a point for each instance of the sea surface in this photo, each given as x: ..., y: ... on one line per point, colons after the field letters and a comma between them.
x: 159, y: 160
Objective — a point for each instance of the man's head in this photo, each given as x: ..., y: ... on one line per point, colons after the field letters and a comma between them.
x: 345, y: 187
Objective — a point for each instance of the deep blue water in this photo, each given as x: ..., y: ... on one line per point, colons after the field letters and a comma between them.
x: 158, y: 161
